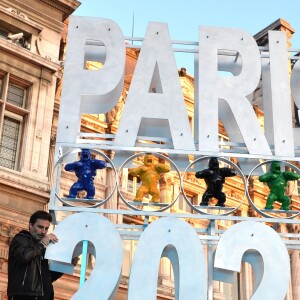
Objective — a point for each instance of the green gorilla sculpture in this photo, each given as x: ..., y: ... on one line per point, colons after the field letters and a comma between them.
x: 277, y: 183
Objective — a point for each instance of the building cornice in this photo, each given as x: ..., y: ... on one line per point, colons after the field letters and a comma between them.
x: 15, y: 13
x: 281, y: 25
x: 25, y: 181
x: 65, y: 6
x: 38, y: 16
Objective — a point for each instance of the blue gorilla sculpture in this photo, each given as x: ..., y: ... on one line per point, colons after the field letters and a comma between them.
x: 85, y: 170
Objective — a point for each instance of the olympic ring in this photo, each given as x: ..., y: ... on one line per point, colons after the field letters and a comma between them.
x: 200, y: 209
x: 98, y: 203
x: 134, y: 206
x: 259, y: 211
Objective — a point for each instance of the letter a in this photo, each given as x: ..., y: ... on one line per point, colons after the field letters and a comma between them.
x: 155, y: 103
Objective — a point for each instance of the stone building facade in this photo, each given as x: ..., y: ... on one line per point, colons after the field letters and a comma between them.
x: 32, y: 40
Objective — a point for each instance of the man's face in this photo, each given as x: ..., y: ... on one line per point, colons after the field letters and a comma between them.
x: 39, y: 229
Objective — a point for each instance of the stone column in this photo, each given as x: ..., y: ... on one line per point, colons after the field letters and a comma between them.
x: 164, y: 270
x: 166, y: 196
x: 175, y: 191
x: 284, y: 229
x: 123, y: 180
x: 246, y: 281
x: 295, y: 265
x: 295, y: 273
x: 112, y: 203
x: 166, y: 193
x: 43, y: 121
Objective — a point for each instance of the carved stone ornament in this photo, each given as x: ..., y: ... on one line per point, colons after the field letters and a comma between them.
x: 293, y: 228
x: 252, y: 212
x: 39, y: 134
x: 8, y: 231
x: 44, y: 82
x: 17, y: 13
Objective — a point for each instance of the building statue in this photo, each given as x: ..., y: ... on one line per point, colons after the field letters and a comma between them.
x: 182, y: 72
x: 85, y: 169
x: 277, y: 182
x: 149, y: 174
x: 214, y: 178
x: 114, y: 115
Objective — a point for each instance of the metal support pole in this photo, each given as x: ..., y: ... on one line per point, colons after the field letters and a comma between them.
x: 275, y: 226
x: 83, y: 262
x: 146, y: 222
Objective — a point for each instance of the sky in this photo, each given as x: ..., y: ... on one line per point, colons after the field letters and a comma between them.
x: 184, y: 17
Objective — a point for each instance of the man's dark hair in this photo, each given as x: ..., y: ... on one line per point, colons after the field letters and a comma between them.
x: 40, y: 214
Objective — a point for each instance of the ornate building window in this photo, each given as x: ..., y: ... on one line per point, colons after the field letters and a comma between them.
x: 182, y: 205
x: 9, y: 142
x: 15, y: 95
x: 13, y: 112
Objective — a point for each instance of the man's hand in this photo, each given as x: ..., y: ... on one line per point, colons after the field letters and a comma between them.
x: 50, y: 237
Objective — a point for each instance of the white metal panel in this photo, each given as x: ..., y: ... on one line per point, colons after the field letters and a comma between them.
x: 107, y: 248
x: 155, y: 104
x: 235, y: 111
x: 87, y: 91
x: 164, y: 237
x: 277, y: 96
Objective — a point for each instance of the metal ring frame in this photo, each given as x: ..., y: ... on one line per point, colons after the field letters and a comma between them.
x: 248, y: 195
x: 220, y: 159
x: 157, y: 155
x: 246, y: 183
x: 101, y: 202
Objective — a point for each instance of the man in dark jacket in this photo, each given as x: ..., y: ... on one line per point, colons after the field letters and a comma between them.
x: 29, y: 276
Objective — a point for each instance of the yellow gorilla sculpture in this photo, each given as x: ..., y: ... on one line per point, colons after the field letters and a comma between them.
x: 149, y: 175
